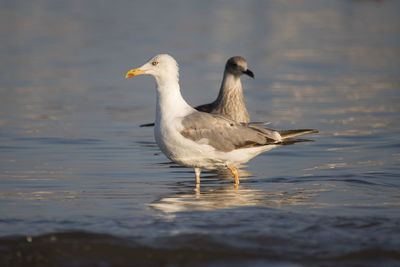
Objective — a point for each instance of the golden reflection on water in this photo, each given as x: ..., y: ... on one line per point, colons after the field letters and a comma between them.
x: 291, y: 197
x: 227, y: 197
x: 336, y: 165
x: 354, y: 132
x: 40, y: 195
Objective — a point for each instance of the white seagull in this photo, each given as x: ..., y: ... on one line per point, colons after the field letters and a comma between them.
x: 230, y: 100
x: 203, y: 140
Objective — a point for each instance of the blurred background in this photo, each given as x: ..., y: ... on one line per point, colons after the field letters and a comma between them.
x: 77, y: 172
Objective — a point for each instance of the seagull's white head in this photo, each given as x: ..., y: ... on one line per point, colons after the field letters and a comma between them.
x: 161, y: 67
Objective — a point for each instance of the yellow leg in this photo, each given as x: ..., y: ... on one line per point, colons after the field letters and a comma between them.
x: 235, y: 174
x: 197, y: 190
x: 197, y: 172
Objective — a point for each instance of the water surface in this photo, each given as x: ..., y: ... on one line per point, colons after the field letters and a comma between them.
x: 82, y: 183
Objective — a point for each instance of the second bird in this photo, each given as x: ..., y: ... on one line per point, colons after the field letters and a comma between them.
x: 230, y: 100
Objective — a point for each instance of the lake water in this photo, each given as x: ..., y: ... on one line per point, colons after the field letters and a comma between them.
x: 82, y: 184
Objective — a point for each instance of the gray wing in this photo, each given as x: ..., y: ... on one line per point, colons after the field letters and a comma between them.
x: 203, y: 108
x: 222, y: 133
x: 206, y: 107
x: 292, y: 133
x: 284, y: 135
x: 270, y: 133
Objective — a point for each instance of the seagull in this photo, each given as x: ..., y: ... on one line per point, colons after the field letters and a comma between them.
x: 202, y: 140
x: 230, y: 100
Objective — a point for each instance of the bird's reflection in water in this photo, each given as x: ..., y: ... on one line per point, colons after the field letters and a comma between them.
x: 217, y: 192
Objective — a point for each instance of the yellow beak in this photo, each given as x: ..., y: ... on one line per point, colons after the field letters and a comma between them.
x: 134, y: 72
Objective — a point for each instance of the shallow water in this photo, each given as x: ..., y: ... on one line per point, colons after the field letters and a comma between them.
x: 82, y: 183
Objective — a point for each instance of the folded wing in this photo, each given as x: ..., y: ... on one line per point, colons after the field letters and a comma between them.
x: 222, y: 133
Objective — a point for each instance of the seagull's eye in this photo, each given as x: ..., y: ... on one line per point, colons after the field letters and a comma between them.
x: 154, y: 63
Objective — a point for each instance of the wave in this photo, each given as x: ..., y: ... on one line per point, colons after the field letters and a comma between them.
x: 96, y: 249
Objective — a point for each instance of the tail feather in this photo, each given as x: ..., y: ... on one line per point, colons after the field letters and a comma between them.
x: 147, y: 125
x: 292, y: 133
x: 291, y: 141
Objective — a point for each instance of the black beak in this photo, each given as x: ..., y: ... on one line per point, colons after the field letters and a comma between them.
x: 249, y: 72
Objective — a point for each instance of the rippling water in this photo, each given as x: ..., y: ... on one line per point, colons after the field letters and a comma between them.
x: 82, y: 184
